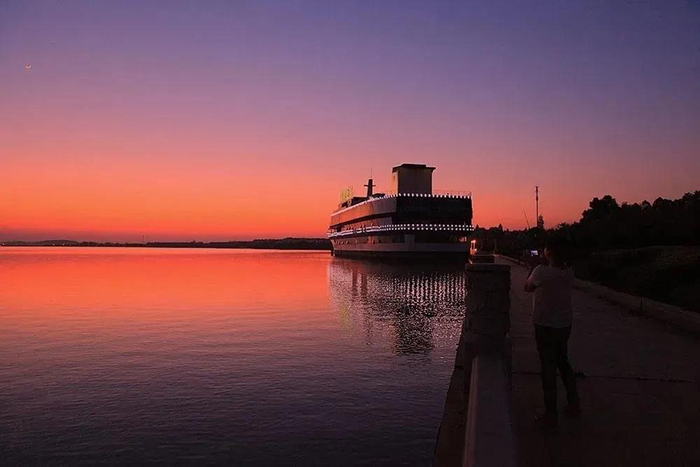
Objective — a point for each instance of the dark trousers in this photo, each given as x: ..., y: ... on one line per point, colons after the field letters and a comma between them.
x: 552, y: 345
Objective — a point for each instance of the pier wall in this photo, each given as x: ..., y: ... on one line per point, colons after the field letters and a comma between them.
x: 477, y: 427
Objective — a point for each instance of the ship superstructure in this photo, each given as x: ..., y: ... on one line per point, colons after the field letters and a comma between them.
x: 412, y: 220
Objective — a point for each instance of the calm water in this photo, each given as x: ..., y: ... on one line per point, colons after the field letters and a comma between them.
x: 222, y: 357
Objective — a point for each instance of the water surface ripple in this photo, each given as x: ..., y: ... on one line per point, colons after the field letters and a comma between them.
x: 238, y: 357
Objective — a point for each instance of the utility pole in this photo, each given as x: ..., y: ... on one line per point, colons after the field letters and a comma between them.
x: 537, y: 204
x: 540, y: 220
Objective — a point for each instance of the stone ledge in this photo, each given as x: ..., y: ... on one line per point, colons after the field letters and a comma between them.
x: 664, y: 312
x: 483, y: 360
x: 490, y: 440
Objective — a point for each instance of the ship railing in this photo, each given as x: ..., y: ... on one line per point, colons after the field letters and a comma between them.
x: 434, y: 194
x: 393, y: 194
x: 404, y: 227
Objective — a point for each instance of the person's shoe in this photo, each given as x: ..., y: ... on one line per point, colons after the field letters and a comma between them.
x: 573, y: 411
x: 548, y: 422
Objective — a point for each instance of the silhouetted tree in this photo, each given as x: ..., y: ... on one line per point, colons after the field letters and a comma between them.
x: 607, y: 224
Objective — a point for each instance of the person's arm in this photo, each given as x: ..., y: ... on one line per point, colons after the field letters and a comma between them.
x: 533, y: 280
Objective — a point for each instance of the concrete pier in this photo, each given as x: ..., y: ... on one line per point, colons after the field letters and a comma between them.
x: 638, y: 378
x: 639, y: 382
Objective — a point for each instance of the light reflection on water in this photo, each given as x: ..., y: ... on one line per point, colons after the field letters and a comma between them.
x: 222, y: 356
x: 418, y: 303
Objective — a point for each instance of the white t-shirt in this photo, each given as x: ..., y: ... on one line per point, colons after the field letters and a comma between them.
x: 551, y: 304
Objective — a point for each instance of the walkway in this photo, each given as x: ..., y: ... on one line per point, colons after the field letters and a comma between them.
x: 640, y: 394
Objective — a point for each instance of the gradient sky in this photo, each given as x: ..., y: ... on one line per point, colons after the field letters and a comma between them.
x: 214, y: 120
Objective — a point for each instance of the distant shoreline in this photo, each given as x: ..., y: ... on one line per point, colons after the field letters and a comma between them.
x: 260, y: 244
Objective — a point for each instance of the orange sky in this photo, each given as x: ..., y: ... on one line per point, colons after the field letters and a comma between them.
x: 229, y: 123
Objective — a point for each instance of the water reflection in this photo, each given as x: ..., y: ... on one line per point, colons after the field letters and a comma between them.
x: 418, y: 302
x: 229, y: 357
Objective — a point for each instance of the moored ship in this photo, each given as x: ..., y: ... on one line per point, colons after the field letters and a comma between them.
x: 410, y: 221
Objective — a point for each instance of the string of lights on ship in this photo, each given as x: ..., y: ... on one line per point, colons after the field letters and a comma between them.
x: 395, y: 227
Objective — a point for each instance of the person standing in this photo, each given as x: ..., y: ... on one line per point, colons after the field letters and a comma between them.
x: 552, y: 316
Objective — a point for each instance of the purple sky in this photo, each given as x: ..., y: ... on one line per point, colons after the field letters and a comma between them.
x: 225, y: 119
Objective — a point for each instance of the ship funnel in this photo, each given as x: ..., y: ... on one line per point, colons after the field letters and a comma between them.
x: 370, y: 188
x: 412, y: 178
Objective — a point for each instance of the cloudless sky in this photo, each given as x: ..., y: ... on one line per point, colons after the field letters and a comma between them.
x: 215, y: 120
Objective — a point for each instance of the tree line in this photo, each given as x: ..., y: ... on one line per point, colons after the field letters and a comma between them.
x: 609, y: 225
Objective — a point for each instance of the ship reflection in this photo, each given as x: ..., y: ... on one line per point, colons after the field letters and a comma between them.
x: 417, y: 304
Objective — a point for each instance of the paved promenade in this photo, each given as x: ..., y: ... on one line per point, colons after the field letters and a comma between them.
x: 640, y: 394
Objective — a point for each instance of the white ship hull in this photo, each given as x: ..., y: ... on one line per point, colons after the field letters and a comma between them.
x: 457, y: 251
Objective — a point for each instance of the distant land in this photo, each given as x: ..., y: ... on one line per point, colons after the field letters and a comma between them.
x: 289, y: 243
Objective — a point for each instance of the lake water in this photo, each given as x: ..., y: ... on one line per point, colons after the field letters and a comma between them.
x: 240, y: 357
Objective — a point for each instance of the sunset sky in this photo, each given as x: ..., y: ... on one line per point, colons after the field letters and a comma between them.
x: 216, y: 120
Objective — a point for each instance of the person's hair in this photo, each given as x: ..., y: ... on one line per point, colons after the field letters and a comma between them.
x: 558, y: 248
